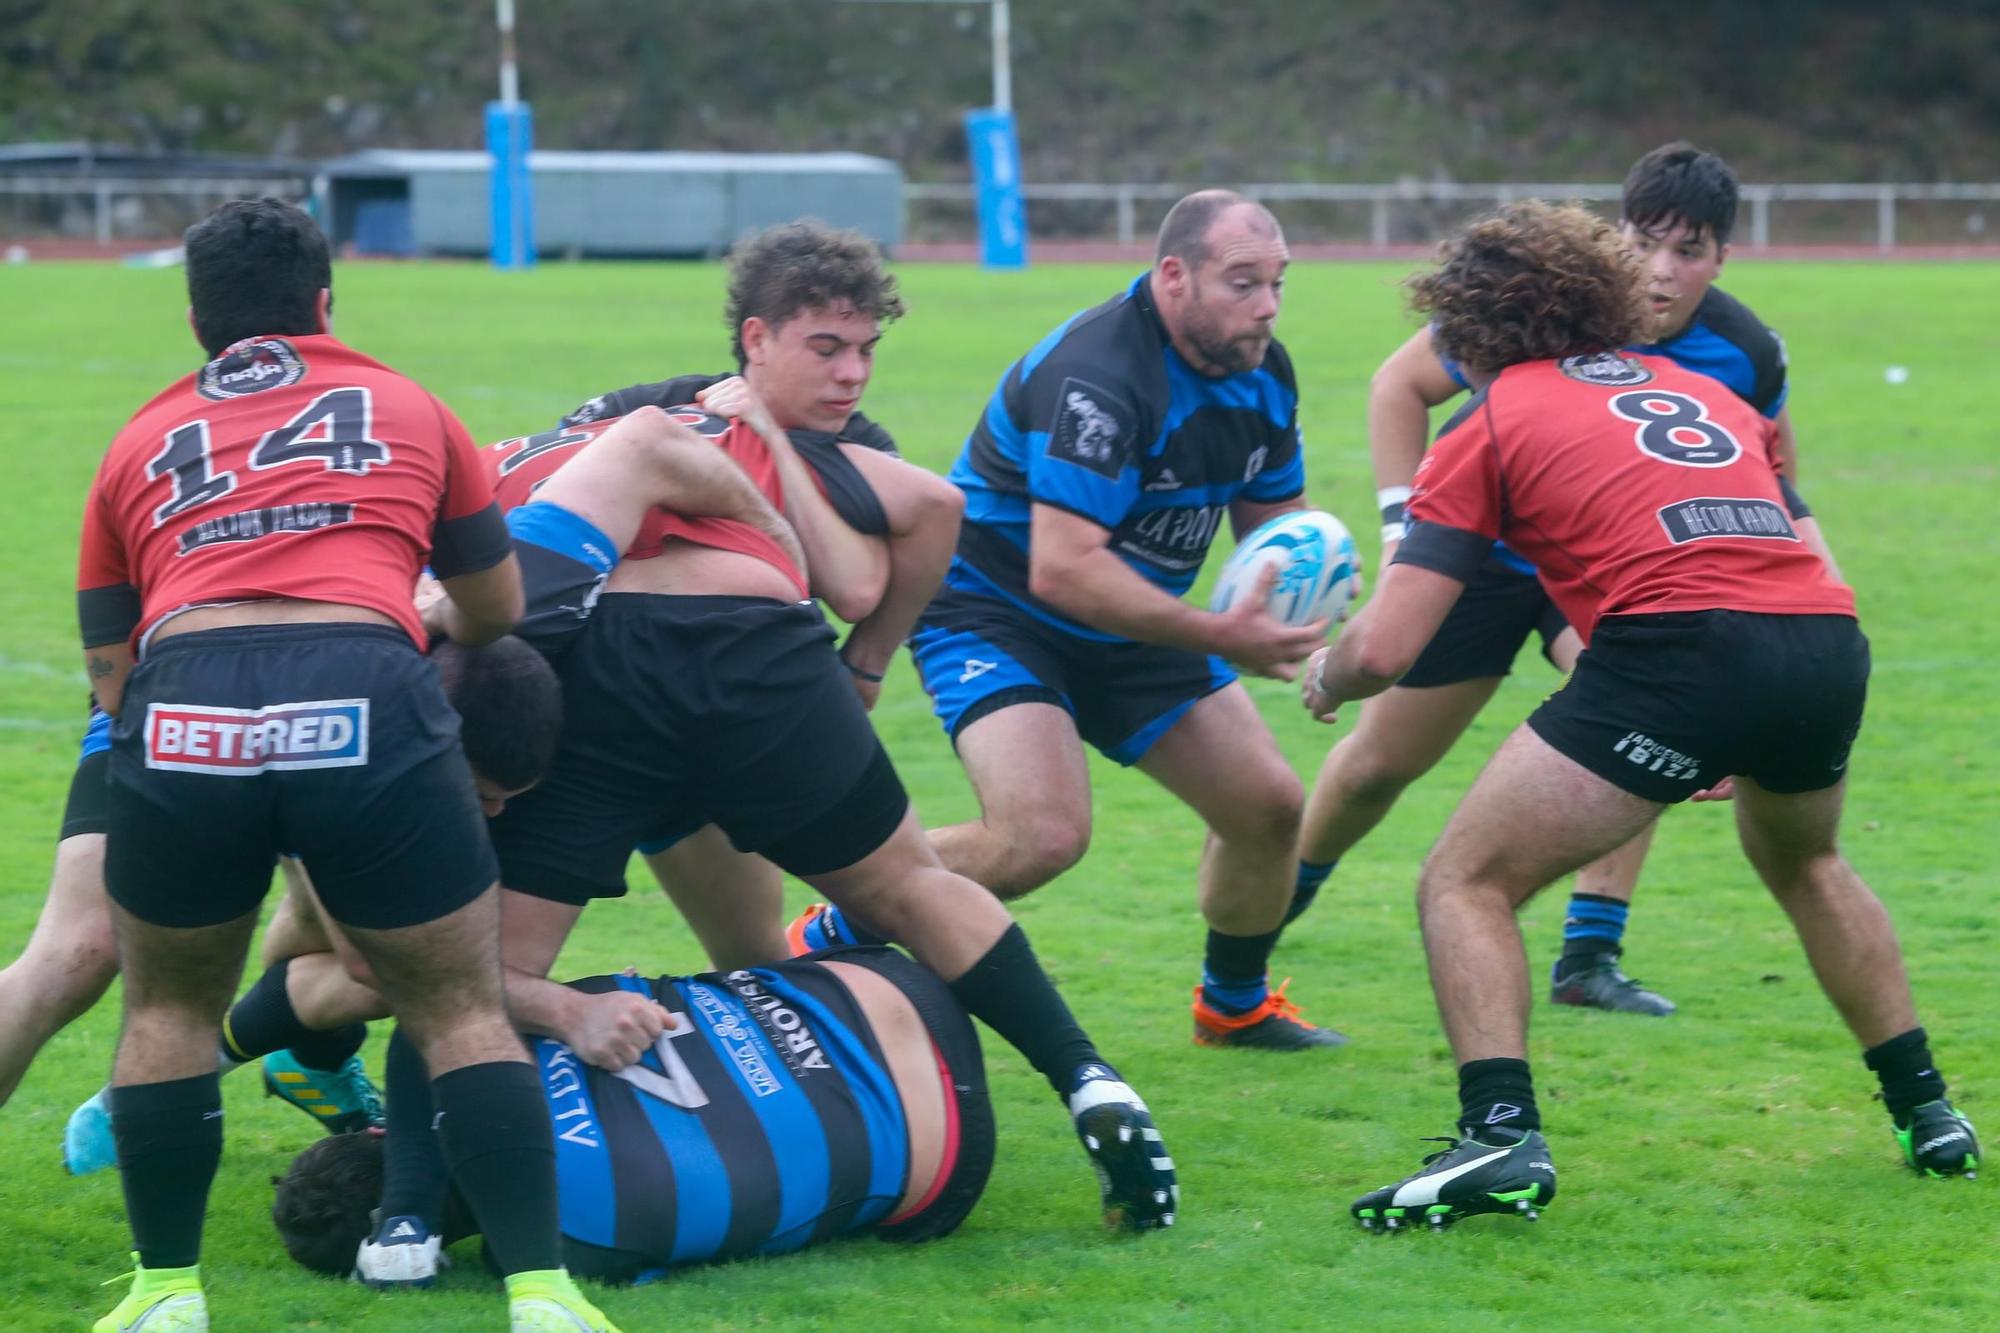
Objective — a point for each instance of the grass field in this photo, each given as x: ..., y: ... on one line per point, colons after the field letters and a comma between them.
x: 1722, y: 1167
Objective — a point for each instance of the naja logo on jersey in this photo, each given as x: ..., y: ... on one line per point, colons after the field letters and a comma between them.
x: 251, y: 366
x: 1610, y: 370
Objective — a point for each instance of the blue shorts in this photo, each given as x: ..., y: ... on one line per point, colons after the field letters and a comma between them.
x: 978, y: 655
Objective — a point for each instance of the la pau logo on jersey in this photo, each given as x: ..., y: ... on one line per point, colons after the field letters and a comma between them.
x: 251, y: 366
x: 1610, y: 370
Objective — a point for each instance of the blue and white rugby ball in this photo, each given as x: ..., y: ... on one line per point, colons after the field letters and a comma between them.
x: 1316, y: 562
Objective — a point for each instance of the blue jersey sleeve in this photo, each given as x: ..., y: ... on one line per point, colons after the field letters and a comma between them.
x: 1086, y: 458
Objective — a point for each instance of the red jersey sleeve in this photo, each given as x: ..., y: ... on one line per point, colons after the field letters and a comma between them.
x: 107, y: 601
x: 470, y: 534
x: 1455, y: 505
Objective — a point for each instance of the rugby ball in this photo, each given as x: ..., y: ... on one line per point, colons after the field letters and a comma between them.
x: 1316, y: 562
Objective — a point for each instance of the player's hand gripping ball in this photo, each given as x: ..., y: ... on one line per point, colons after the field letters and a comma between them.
x: 1318, y: 568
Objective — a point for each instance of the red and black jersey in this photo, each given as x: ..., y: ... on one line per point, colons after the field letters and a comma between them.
x: 1633, y: 485
x: 286, y: 467
x: 517, y: 468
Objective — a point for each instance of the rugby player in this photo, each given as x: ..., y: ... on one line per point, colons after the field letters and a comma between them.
x: 1719, y: 640
x: 786, y: 1106
x: 806, y: 311
x: 1095, y: 481
x: 1679, y: 207
x: 248, y: 550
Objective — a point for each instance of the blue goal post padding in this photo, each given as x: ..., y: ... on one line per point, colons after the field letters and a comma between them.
x: 510, y: 137
x: 996, y: 171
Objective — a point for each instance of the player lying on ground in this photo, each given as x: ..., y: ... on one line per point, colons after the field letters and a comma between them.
x: 806, y: 311
x: 248, y: 550
x: 784, y: 1106
x: 1678, y: 209
x: 1096, y: 479
x: 1719, y: 641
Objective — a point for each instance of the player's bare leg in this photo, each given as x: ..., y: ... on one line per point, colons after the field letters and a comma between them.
x: 1222, y: 761
x: 1792, y: 840
x: 1027, y: 767
x: 68, y: 964
x: 733, y: 901
x: 1588, y: 973
x: 966, y: 935
x: 1532, y: 817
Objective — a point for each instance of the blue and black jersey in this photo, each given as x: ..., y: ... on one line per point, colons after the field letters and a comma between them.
x: 1724, y: 341
x: 1104, y: 418
x: 767, y: 1122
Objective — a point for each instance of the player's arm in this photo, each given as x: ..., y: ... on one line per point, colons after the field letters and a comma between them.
x: 609, y: 1029
x: 108, y: 605
x: 1785, y: 446
x: 1246, y: 516
x: 1401, y: 395
x: 1071, y: 567
x: 471, y: 553
x: 923, y: 511
x: 848, y: 570
x: 1381, y: 643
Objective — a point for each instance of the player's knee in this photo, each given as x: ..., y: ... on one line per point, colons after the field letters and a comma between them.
x: 1045, y: 844
x: 1265, y: 808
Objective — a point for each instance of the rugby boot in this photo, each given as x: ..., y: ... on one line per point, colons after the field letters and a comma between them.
x: 403, y: 1252
x: 344, y: 1100
x: 87, y: 1143
x: 1939, y: 1141
x: 163, y: 1300
x: 1274, y: 1025
x: 549, y: 1302
x: 1134, y: 1171
x: 824, y: 926
x: 1513, y: 1174
x: 1597, y: 983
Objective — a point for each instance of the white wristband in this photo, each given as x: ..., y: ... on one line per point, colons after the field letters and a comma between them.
x: 1391, y: 532
x: 1392, y: 495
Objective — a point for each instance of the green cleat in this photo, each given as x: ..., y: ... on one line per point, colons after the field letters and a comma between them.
x: 1939, y: 1142
x: 162, y: 1300
x: 344, y: 1099
x: 548, y: 1301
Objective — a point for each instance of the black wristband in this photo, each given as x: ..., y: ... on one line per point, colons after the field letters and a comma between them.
x: 869, y: 676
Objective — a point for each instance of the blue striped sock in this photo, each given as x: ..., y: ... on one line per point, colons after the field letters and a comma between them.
x: 1231, y: 995
x: 830, y: 929
x: 1594, y: 924
x: 1312, y: 874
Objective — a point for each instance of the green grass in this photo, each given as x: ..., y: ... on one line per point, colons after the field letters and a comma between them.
x: 1721, y: 1167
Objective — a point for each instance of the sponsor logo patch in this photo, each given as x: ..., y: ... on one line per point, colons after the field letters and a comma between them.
x: 250, y: 524
x: 739, y: 1044
x: 1089, y: 424
x: 241, y: 742
x: 1611, y: 370
x: 1649, y: 754
x: 251, y: 366
x: 1724, y: 516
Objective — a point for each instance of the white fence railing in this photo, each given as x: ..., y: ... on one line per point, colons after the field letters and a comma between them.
x: 100, y: 196
x: 1382, y: 200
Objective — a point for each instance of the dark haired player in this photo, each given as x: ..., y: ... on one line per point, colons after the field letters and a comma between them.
x: 785, y: 1106
x: 1095, y: 481
x: 250, y: 543
x: 1678, y: 209
x: 1720, y: 640
x: 807, y: 307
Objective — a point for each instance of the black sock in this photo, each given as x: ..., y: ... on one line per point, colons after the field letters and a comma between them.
x: 264, y: 1021
x: 497, y: 1138
x: 1008, y: 991
x: 1499, y: 1094
x: 1908, y: 1077
x: 169, y: 1139
x: 1311, y: 877
x: 1233, y: 969
x: 415, y: 1180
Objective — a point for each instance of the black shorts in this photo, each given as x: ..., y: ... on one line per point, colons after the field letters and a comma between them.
x: 564, y: 563
x: 333, y: 741
x: 1484, y: 630
x: 1667, y: 705
x: 978, y: 655
x: 84, y: 811
x: 685, y: 711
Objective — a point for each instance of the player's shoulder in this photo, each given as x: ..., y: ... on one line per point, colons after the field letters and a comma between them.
x: 869, y: 434
x: 1474, y: 410
x: 1734, y: 322
x: 658, y: 393
x: 1109, y: 354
